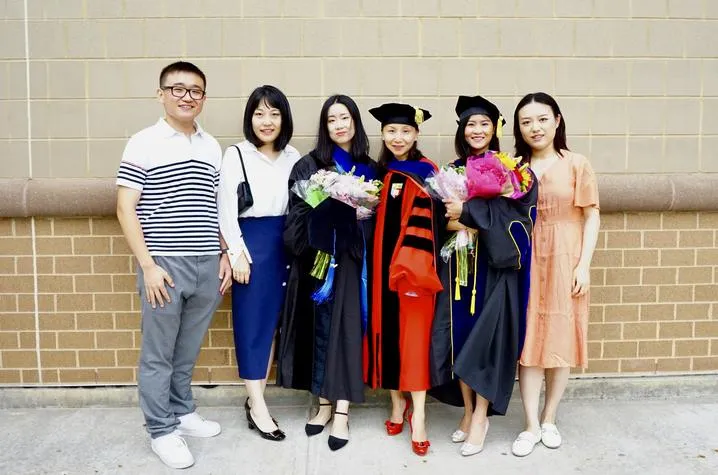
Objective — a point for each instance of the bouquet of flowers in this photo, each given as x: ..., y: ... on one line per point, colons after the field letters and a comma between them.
x: 450, y: 183
x: 357, y: 192
x: 488, y: 176
x: 345, y: 187
x: 494, y: 174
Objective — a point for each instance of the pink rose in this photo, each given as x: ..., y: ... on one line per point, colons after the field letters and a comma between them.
x: 486, y: 177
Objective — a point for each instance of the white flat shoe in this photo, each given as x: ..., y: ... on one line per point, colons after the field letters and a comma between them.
x: 467, y: 449
x: 550, y: 436
x: 524, y: 444
x: 458, y: 436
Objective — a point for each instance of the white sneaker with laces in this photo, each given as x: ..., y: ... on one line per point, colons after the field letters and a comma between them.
x: 524, y: 443
x: 194, y: 425
x: 550, y: 436
x: 172, y: 450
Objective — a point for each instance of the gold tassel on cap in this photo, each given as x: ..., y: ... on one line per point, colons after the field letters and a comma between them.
x: 500, y: 127
x: 418, y: 116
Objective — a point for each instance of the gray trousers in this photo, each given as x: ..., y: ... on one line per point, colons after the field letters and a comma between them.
x: 172, y: 336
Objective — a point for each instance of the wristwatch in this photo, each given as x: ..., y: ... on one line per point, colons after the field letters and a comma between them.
x: 224, y: 251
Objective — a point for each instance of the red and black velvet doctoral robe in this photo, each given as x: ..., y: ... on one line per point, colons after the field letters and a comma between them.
x: 405, y: 280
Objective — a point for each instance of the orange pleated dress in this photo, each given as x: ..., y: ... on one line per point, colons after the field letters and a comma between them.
x: 557, y: 322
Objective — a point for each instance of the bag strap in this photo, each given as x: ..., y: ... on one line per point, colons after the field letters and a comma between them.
x: 241, y: 160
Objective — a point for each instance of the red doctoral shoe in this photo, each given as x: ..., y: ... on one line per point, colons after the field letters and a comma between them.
x: 419, y: 448
x: 395, y: 428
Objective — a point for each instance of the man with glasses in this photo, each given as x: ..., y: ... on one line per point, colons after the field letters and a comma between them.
x: 166, y: 205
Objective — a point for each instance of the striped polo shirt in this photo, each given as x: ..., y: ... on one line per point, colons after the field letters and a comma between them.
x: 177, y: 177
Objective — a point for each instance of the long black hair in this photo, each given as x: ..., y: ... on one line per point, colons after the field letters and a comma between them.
x: 274, y: 98
x: 462, y: 148
x: 523, y: 149
x: 360, y: 143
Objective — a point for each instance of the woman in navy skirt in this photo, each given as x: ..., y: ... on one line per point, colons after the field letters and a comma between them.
x: 255, y: 244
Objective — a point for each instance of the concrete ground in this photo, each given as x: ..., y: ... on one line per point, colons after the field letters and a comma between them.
x: 660, y: 434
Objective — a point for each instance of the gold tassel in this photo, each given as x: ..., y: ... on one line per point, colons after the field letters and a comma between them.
x: 473, y: 301
x: 418, y: 116
x: 473, y: 292
x: 500, y: 127
x: 457, y: 290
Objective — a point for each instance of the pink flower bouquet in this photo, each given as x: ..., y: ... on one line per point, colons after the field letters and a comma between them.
x: 496, y: 174
x: 450, y: 183
x: 488, y: 176
x: 353, y: 190
x: 357, y: 192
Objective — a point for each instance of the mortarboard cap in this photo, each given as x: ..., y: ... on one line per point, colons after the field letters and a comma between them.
x: 395, y: 113
x: 467, y: 106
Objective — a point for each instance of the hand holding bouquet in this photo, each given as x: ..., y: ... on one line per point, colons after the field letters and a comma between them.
x: 361, y: 194
x: 487, y: 176
x: 352, y: 193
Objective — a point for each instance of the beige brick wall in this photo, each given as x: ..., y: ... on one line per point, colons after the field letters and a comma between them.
x: 638, y: 80
x: 654, y: 310
x: 88, y: 319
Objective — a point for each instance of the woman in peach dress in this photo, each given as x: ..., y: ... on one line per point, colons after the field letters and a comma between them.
x: 564, y: 239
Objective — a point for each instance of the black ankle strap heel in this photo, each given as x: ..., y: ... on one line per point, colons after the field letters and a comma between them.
x: 315, y: 429
x: 336, y: 443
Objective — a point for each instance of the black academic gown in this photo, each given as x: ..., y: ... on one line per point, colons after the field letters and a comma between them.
x: 488, y: 358
x: 320, y: 345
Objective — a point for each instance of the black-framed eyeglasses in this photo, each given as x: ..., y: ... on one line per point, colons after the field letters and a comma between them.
x: 179, y: 92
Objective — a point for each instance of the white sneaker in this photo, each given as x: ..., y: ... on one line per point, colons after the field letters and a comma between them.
x: 524, y: 444
x: 550, y: 436
x: 173, y: 451
x: 194, y: 425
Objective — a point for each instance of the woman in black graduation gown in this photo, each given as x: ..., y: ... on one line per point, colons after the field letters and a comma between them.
x: 474, y: 356
x: 320, y: 347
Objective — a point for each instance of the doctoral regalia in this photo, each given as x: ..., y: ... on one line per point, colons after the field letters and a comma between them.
x: 405, y: 279
x: 320, y: 344
x: 484, y: 353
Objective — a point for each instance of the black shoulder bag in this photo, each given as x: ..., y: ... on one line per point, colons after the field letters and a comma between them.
x: 244, y: 192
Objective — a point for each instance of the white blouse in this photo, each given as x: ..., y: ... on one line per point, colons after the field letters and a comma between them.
x: 268, y: 180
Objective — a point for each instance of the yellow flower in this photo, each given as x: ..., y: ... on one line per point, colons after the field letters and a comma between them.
x: 525, y: 178
x: 506, y: 160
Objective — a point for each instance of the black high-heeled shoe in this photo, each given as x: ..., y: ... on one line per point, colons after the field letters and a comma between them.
x: 336, y: 443
x: 315, y: 429
x: 248, y: 408
x: 276, y: 435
